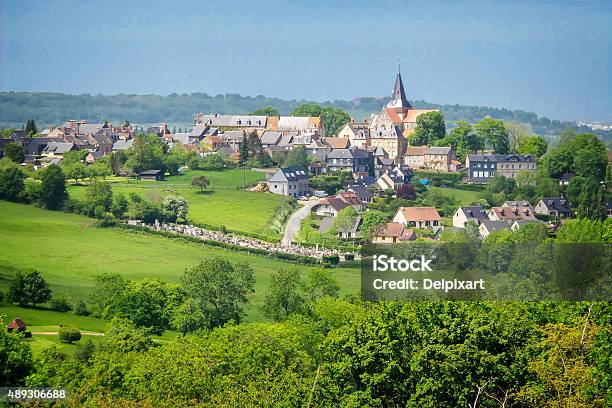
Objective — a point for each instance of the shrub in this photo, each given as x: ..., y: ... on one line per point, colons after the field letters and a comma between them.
x: 80, y: 308
x: 349, y: 257
x: 69, y: 335
x: 331, y: 259
x: 60, y: 303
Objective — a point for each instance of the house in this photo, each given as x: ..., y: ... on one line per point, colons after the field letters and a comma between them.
x: 488, y: 226
x: 415, y: 157
x: 362, y: 193
x: 358, y: 134
x: 419, y: 217
x: 312, y: 125
x: 438, y: 158
x: 232, y: 122
x: 519, y: 223
x: 354, y: 160
x: 565, y: 179
x: 483, y: 167
x: 290, y: 181
x: 151, y: 175
x: 57, y: 148
x: 352, y: 199
x: 393, y: 232
x: 351, y: 232
x: 17, y: 325
x: 555, y: 206
x: 93, y: 156
x: 211, y: 142
x: 122, y: 145
x: 336, y: 142
x: 270, y: 138
x: 329, y: 207
x: 473, y: 213
x: 232, y: 138
x: 511, y: 214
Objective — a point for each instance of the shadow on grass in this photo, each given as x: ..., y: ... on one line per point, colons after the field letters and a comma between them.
x: 204, y: 192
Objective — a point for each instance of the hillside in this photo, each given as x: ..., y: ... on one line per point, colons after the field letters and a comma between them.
x: 54, y: 108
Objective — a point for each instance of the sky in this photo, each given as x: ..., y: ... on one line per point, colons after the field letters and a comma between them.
x: 550, y: 57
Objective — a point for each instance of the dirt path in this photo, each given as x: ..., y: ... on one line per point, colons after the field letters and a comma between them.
x: 51, y: 333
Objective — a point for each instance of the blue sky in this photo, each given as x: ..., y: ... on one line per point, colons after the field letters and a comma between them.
x: 551, y: 57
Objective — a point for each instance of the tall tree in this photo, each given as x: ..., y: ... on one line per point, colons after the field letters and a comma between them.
x: 493, y: 132
x: 53, y: 188
x: 30, y: 127
x: 430, y: 127
x: 14, y: 152
x: 11, y: 180
x: 284, y: 295
x: 297, y: 157
x: 29, y: 289
x: 267, y: 111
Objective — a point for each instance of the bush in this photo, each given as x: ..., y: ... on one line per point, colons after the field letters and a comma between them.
x: 60, y: 303
x: 331, y: 259
x: 69, y: 335
x: 349, y: 257
x: 80, y: 308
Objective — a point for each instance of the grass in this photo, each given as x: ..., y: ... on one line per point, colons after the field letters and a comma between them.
x: 223, y: 204
x: 465, y: 197
x: 69, y: 251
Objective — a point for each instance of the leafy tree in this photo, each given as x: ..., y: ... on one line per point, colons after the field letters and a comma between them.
x: 220, y: 289
x: 28, y: 289
x: 406, y: 191
x: 243, y: 150
x: 116, y: 161
x: 74, y: 156
x: 175, y: 206
x: 297, y: 157
x: 463, y: 140
x: 200, y: 181
x: 60, y: 303
x: 535, y: 145
x: 120, y: 205
x: 333, y: 119
x: 430, y: 127
x: 284, y: 296
x: 176, y: 157
x: 321, y: 283
x: 494, y: 133
x: 108, y: 292
x: 267, y: 111
x: 80, y: 308
x: 123, y: 336
x: 517, y: 134
x: 30, y: 127
x: 69, y: 335
x: 99, y: 193
x: 372, y: 220
x: 98, y: 169
x: 75, y: 171
x: 52, y: 192
x: 14, y: 152
x: 188, y: 317
x: 12, y: 179
x: 146, y: 153
x: 344, y: 220
x: 15, y: 357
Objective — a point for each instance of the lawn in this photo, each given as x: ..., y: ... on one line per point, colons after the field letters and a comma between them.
x: 224, y: 203
x: 69, y: 251
x: 465, y: 197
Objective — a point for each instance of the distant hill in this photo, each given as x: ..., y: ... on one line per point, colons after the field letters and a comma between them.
x: 54, y: 108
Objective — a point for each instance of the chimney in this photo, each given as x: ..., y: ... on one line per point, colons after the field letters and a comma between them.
x: 352, y: 120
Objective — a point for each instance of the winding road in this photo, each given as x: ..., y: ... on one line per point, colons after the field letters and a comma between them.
x: 293, y: 223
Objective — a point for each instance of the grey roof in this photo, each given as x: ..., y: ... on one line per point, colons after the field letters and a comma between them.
x: 361, y: 192
x: 234, y: 120
x: 292, y: 173
x: 149, y: 172
x: 58, y: 147
x: 270, y: 138
x: 501, y: 157
x: 87, y: 128
x: 398, y: 98
x: 123, y: 144
x: 474, y: 211
x: 557, y: 203
x: 438, y: 150
x: 285, y: 141
x: 326, y: 224
x: 182, y: 138
x: 233, y: 135
x: 211, y: 131
x: 198, y: 131
x: 493, y: 226
x: 340, y: 154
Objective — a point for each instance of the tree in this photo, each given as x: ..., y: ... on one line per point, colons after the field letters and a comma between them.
x: 345, y: 219
x: 120, y: 205
x: 406, y: 191
x: 147, y: 153
x: 28, y: 289
x: 333, y: 119
x: 200, y: 181
x: 220, y: 289
x: 175, y: 206
x: 430, y: 127
x: 98, y: 169
x: 464, y: 140
x: 494, y: 133
x: 69, y: 335
x: 99, y: 194
x: 74, y: 156
x: 284, y: 296
x: 14, y: 152
x: 176, y: 157
x: 321, y: 283
x: 123, y: 336
x: 30, y: 127
x: 75, y: 171
x: 372, y: 221
x: 591, y: 202
x: 60, y: 303
x: 243, y: 150
x: 188, y: 317
x: 16, y: 361
x: 12, y: 179
x: 297, y: 157
x: 267, y: 111
x: 53, y: 192
x: 535, y: 145
x: 517, y: 133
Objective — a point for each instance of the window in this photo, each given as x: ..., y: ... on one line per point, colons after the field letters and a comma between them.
x: 276, y: 186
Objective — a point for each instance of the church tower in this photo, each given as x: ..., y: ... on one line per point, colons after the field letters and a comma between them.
x: 398, y: 101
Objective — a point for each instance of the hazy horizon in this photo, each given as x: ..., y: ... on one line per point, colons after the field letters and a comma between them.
x: 551, y: 58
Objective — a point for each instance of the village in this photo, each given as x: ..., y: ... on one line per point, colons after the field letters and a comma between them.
x: 384, y: 158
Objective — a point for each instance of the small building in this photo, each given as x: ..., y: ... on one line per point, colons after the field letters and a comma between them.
x: 438, y: 158
x: 565, y: 179
x: 289, y: 181
x: 16, y: 325
x: 419, y: 217
x: 362, y: 193
x: 151, y: 175
x: 555, y: 206
x: 487, y: 227
x: 511, y: 214
x: 415, y: 157
x: 474, y: 213
x: 519, y: 223
x: 93, y: 156
x: 354, y: 160
x: 352, y: 232
x: 393, y: 232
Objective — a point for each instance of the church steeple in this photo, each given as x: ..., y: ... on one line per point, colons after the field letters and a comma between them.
x: 398, y: 100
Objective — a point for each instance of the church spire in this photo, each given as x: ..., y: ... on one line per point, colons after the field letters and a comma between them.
x: 398, y: 99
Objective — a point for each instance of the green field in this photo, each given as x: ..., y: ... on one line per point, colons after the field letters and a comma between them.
x: 224, y: 203
x: 69, y: 251
x: 465, y: 197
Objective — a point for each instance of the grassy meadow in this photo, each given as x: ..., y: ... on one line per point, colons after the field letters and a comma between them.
x: 69, y: 251
x: 465, y: 197
x: 223, y: 203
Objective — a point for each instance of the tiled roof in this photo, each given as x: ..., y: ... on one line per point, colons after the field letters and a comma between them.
x: 337, y: 142
x: 416, y: 150
x: 420, y: 213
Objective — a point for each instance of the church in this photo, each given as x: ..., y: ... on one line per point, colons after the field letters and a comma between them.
x: 391, y: 127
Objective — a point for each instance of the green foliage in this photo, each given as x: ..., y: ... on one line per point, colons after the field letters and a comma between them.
x: 463, y: 140
x: 333, y: 119
x: 75, y: 171
x: 12, y: 178
x: 220, y: 289
x: 52, y: 192
x: 344, y: 220
x: 535, y: 145
x: 175, y: 207
x: 74, y: 156
x: 15, y: 357
x: 372, y: 220
x: 99, y: 194
x: 189, y: 317
x: 69, y: 335
x: 494, y: 133
x: 122, y: 336
x: 297, y: 157
x: 147, y: 153
x: 14, y: 152
x: 200, y: 181
x: 430, y: 127
x: 30, y: 128
x: 284, y: 295
x: 321, y: 283
x: 80, y: 308
x: 28, y: 289
x: 267, y: 111
x: 60, y: 303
